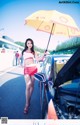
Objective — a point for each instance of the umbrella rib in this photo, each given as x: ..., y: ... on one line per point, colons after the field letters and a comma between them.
x: 40, y: 25
x: 68, y: 32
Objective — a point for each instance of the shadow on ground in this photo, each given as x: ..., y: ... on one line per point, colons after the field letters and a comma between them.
x: 12, y: 100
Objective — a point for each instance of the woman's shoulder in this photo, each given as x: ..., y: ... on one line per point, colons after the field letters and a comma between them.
x: 35, y: 52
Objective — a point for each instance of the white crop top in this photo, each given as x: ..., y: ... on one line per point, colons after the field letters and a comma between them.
x: 27, y: 55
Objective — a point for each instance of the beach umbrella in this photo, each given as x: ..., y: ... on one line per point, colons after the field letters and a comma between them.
x: 53, y: 22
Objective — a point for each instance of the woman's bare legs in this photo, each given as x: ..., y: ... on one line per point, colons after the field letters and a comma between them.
x: 32, y: 85
x: 29, y: 89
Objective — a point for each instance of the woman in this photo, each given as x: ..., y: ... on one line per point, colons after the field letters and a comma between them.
x: 29, y: 69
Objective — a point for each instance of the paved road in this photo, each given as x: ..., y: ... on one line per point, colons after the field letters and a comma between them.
x: 12, y: 96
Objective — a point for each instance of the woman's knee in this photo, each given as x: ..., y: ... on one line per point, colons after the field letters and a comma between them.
x: 29, y: 84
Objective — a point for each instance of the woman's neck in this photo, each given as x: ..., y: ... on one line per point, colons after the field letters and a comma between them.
x: 28, y: 50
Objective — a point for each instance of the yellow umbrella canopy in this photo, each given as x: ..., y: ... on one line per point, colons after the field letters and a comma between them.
x: 53, y: 22
x: 63, y: 23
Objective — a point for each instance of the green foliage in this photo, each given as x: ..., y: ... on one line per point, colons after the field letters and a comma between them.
x: 20, y: 43
x: 69, y: 44
x: 36, y: 48
x: 66, y: 51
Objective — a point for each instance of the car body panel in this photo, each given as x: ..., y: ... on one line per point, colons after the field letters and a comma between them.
x: 61, y: 81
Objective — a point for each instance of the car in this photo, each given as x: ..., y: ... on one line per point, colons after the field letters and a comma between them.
x: 60, y: 86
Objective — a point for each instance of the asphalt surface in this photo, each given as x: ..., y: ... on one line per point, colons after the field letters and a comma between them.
x: 12, y: 96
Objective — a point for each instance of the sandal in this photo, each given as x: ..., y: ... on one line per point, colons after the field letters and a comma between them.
x: 26, y: 109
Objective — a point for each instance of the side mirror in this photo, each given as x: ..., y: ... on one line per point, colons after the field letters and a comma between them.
x: 40, y: 77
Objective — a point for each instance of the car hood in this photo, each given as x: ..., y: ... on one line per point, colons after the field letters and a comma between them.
x: 70, y: 71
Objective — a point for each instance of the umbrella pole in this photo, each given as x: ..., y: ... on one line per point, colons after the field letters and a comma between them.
x: 50, y: 36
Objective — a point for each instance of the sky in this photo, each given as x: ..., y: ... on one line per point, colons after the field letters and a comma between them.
x: 14, y: 12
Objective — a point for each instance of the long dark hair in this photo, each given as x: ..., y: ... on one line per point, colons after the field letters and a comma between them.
x: 26, y: 47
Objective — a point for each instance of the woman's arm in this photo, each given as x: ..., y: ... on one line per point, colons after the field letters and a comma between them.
x: 40, y: 58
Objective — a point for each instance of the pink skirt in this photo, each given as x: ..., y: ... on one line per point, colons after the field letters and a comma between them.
x: 30, y: 70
